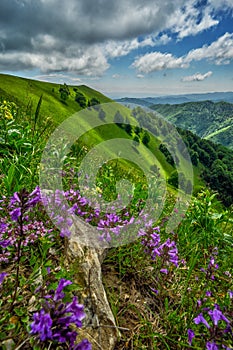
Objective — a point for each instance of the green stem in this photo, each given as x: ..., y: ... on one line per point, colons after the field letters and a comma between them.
x: 18, y: 261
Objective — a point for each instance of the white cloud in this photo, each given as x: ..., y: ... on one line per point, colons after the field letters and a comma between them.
x: 197, y: 77
x: 186, y: 21
x: 164, y: 39
x: 140, y: 76
x: 220, y: 51
x: 58, y: 77
x: 157, y: 61
x: 116, y: 76
x: 223, y: 5
x: 115, y: 49
x: 85, y: 61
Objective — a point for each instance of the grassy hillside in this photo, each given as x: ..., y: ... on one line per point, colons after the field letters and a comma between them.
x: 152, y: 155
x: 213, y: 121
x: 26, y: 93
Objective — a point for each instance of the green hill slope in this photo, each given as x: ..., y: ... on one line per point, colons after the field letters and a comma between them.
x: 213, y: 121
x: 26, y: 93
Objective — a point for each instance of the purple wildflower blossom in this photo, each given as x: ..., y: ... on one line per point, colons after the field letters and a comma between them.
x: 191, y: 335
x: 77, y: 310
x: 201, y: 319
x: 15, y: 199
x: 62, y: 316
x: 2, y: 276
x: 41, y: 325
x: 61, y: 285
x: 15, y: 214
x: 217, y: 315
x: 84, y: 345
x: 211, y: 346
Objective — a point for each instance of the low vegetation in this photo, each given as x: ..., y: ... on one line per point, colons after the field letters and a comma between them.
x: 167, y: 290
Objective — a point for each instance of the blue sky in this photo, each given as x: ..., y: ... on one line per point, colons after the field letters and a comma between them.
x: 122, y: 48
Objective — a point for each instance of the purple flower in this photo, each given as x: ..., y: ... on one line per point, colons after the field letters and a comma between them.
x: 15, y: 199
x: 3, y: 227
x: 230, y: 292
x: 55, y: 319
x: 84, y: 345
x: 62, y: 284
x: 211, y: 346
x: 65, y: 232
x: 155, y: 291
x: 201, y: 319
x: 2, y: 276
x: 155, y: 239
x: 5, y: 243
x: 164, y: 271
x: 191, y: 335
x: 208, y: 293
x: 15, y: 214
x: 77, y: 310
x: 41, y: 325
x: 217, y: 315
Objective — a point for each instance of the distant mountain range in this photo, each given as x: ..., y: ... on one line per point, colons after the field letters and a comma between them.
x: 177, y: 99
x: 209, y: 115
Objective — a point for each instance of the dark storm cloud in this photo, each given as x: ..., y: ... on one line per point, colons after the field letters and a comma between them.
x: 55, y: 35
x: 89, y: 21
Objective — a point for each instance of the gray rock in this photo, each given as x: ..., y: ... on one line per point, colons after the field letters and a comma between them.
x: 99, y: 325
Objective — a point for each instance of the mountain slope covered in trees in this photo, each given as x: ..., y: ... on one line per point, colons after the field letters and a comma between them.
x: 209, y: 120
x: 213, y: 162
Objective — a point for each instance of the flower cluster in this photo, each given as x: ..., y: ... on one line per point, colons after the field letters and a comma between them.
x: 18, y: 226
x: 62, y: 205
x: 166, y: 251
x: 218, y: 325
x: 212, y: 266
x: 112, y: 223
x: 22, y: 202
x: 55, y: 320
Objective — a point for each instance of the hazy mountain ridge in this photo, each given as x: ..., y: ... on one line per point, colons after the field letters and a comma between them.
x: 176, y: 99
